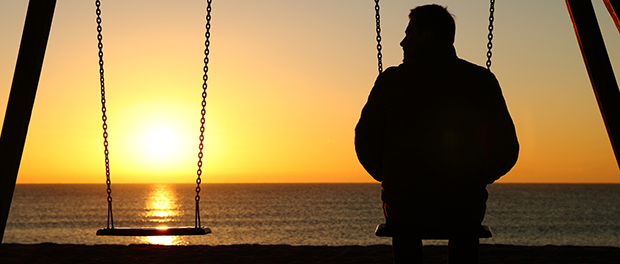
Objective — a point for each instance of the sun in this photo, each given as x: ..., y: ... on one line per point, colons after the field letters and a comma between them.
x: 158, y: 145
x: 162, y: 142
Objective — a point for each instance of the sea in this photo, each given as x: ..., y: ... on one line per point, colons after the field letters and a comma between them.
x: 330, y: 214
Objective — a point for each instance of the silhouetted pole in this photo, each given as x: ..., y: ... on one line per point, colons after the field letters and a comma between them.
x: 613, y: 6
x: 21, y: 99
x: 599, y: 67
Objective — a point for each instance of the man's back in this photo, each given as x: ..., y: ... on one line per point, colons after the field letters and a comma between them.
x: 446, y: 130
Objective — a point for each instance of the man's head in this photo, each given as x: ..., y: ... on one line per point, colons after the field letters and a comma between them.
x: 431, y: 24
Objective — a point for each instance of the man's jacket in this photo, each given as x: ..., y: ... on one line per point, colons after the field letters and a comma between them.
x: 436, y: 126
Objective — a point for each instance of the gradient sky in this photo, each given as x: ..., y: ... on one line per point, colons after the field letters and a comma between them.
x: 287, y: 82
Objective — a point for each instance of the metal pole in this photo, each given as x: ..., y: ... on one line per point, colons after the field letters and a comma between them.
x: 613, y: 6
x: 21, y: 99
x: 599, y: 67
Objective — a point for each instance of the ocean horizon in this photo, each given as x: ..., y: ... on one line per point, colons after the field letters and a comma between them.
x: 325, y: 214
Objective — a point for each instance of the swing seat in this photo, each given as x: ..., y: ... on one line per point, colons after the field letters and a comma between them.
x: 384, y: 230
x: 154, y: 231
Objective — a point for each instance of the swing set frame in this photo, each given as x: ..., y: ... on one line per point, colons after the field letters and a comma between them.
x: 34, y: 43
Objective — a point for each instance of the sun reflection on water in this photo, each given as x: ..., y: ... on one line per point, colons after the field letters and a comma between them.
x: 161, y: 205
x: 161, y: 208
x: 163, y: 240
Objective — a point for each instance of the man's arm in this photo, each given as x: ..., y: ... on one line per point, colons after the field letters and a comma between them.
x: 504, y: 148
x: 370, y: 132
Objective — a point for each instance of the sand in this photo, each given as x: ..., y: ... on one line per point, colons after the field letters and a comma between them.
x: 62, y: 253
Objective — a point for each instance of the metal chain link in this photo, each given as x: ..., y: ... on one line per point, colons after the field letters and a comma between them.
x: 205, y: 77
x: 104, y: 117
x: 490, y: 36
x: 378, y: 20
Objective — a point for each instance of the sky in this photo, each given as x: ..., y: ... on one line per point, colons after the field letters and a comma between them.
x: 287, y: 82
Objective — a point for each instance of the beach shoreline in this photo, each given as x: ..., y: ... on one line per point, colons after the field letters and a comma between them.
x: 247, y: 253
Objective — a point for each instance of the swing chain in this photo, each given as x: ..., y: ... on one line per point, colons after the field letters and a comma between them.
x: 104, y: 116
x: 205, y: 77
x: 490, y: 36
x: 378, y: 20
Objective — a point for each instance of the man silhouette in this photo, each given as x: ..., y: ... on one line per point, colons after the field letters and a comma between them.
x: 435, y: 131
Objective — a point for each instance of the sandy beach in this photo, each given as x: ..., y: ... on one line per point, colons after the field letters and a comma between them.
x: 63, y: 253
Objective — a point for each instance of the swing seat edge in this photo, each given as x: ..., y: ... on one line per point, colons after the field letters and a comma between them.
x: 153, y: 231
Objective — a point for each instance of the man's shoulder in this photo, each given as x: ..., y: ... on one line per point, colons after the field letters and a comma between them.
x: 471, y: 66
x: 391, y: 75
x: 459, y: 66
x: 474, y: 69
x: 394, y: 70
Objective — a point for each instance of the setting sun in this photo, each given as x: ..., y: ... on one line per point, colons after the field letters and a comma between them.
x: 162, y: 143
x: 153, y: 137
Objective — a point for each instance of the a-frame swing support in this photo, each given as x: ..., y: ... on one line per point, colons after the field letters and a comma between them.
x: 36, y: 33
x: 21, y: 99
x: 598, y: 64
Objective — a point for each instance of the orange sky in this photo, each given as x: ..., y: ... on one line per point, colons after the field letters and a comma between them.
x: 287, y: 82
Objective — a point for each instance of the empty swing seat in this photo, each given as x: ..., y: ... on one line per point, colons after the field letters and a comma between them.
x: 384, y: 230
x: 154, y: 231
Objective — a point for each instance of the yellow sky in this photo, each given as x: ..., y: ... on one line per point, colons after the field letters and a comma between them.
x: 287, y: 82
